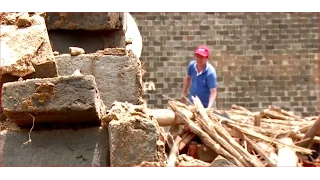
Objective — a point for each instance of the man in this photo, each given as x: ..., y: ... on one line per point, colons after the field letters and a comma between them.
x: 203, y: 78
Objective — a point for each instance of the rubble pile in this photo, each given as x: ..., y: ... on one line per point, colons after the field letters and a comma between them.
x: 270, y: 138
x: 25, y: 46
x: 60, y: 87
x: 83, y: 106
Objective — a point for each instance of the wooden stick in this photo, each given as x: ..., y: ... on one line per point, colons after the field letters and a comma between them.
x: 316, y: 139
x: 234, y: 106
x: 166, y: 117
x: 214, y: 135
x: 252, y: 133
x: 212, y: 128
x: 284, y: 112
x: 257, y: 120
x: 285, y: 122
x: 174, y: 153
x: 186, y: 140
x: 267, y: 131
x: 276, y: 115
x: 260, y: 151
x: 204, y: 136
x: 312, y: 132
x: 240, y: 112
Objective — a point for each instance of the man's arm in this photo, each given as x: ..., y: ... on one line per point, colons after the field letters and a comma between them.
x: 213, y: 96
x: 186, y: 84
x: 212, y: 84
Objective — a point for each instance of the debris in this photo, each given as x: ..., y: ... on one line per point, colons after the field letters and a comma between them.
x: 129, y: 41
x: 187, y: 161
x: 250, y: 139
x: 56, y: 53
x: 77, y: 73
x: 75, y: 51
x: 113, y: 51
x: 25, y: 45
x: 287, y: 156
x: 221, y: 162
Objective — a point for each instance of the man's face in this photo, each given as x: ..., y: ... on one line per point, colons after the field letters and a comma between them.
x: 201, y: 60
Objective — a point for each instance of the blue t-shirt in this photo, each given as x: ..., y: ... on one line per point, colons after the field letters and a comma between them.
x: 202, y: 83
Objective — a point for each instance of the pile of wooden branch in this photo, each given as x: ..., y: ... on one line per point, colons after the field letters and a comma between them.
x: 272, y: 137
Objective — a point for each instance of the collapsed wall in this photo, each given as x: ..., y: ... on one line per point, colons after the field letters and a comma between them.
x: 112, y: 45
x: 54, y: 112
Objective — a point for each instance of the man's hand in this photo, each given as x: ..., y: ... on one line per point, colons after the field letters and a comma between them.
x: 183, y: 99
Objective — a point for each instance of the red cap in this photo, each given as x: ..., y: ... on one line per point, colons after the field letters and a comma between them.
x: 202, y: 51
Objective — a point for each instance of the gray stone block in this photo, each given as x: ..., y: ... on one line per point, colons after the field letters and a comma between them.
x: 91, y: 21
x: 116, y: 76
x: 61, y: 100
x: 132, y: 142
x: 82, y: 147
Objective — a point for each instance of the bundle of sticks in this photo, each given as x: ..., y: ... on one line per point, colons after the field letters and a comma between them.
x: 270, y: 138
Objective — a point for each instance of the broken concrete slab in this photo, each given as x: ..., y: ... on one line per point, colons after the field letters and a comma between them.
x: 133, y: 135
x: 118, y: 77
x: 62, y: 100
x: 68, y: 147
x: 91, y: 21
x: 25, y: 44
x: 134, y: 141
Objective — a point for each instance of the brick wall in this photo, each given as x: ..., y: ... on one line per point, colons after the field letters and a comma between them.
x: 260, y: 58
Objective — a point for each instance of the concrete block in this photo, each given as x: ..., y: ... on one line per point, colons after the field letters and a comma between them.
x: 118, y: 77
x: 61, y: 100
x: 91, y: 21
x: 132, y: 141
x: 68, y: 147
x: 25, y: 45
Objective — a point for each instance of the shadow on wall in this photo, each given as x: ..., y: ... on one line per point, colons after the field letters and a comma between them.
x: 83, y: 147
